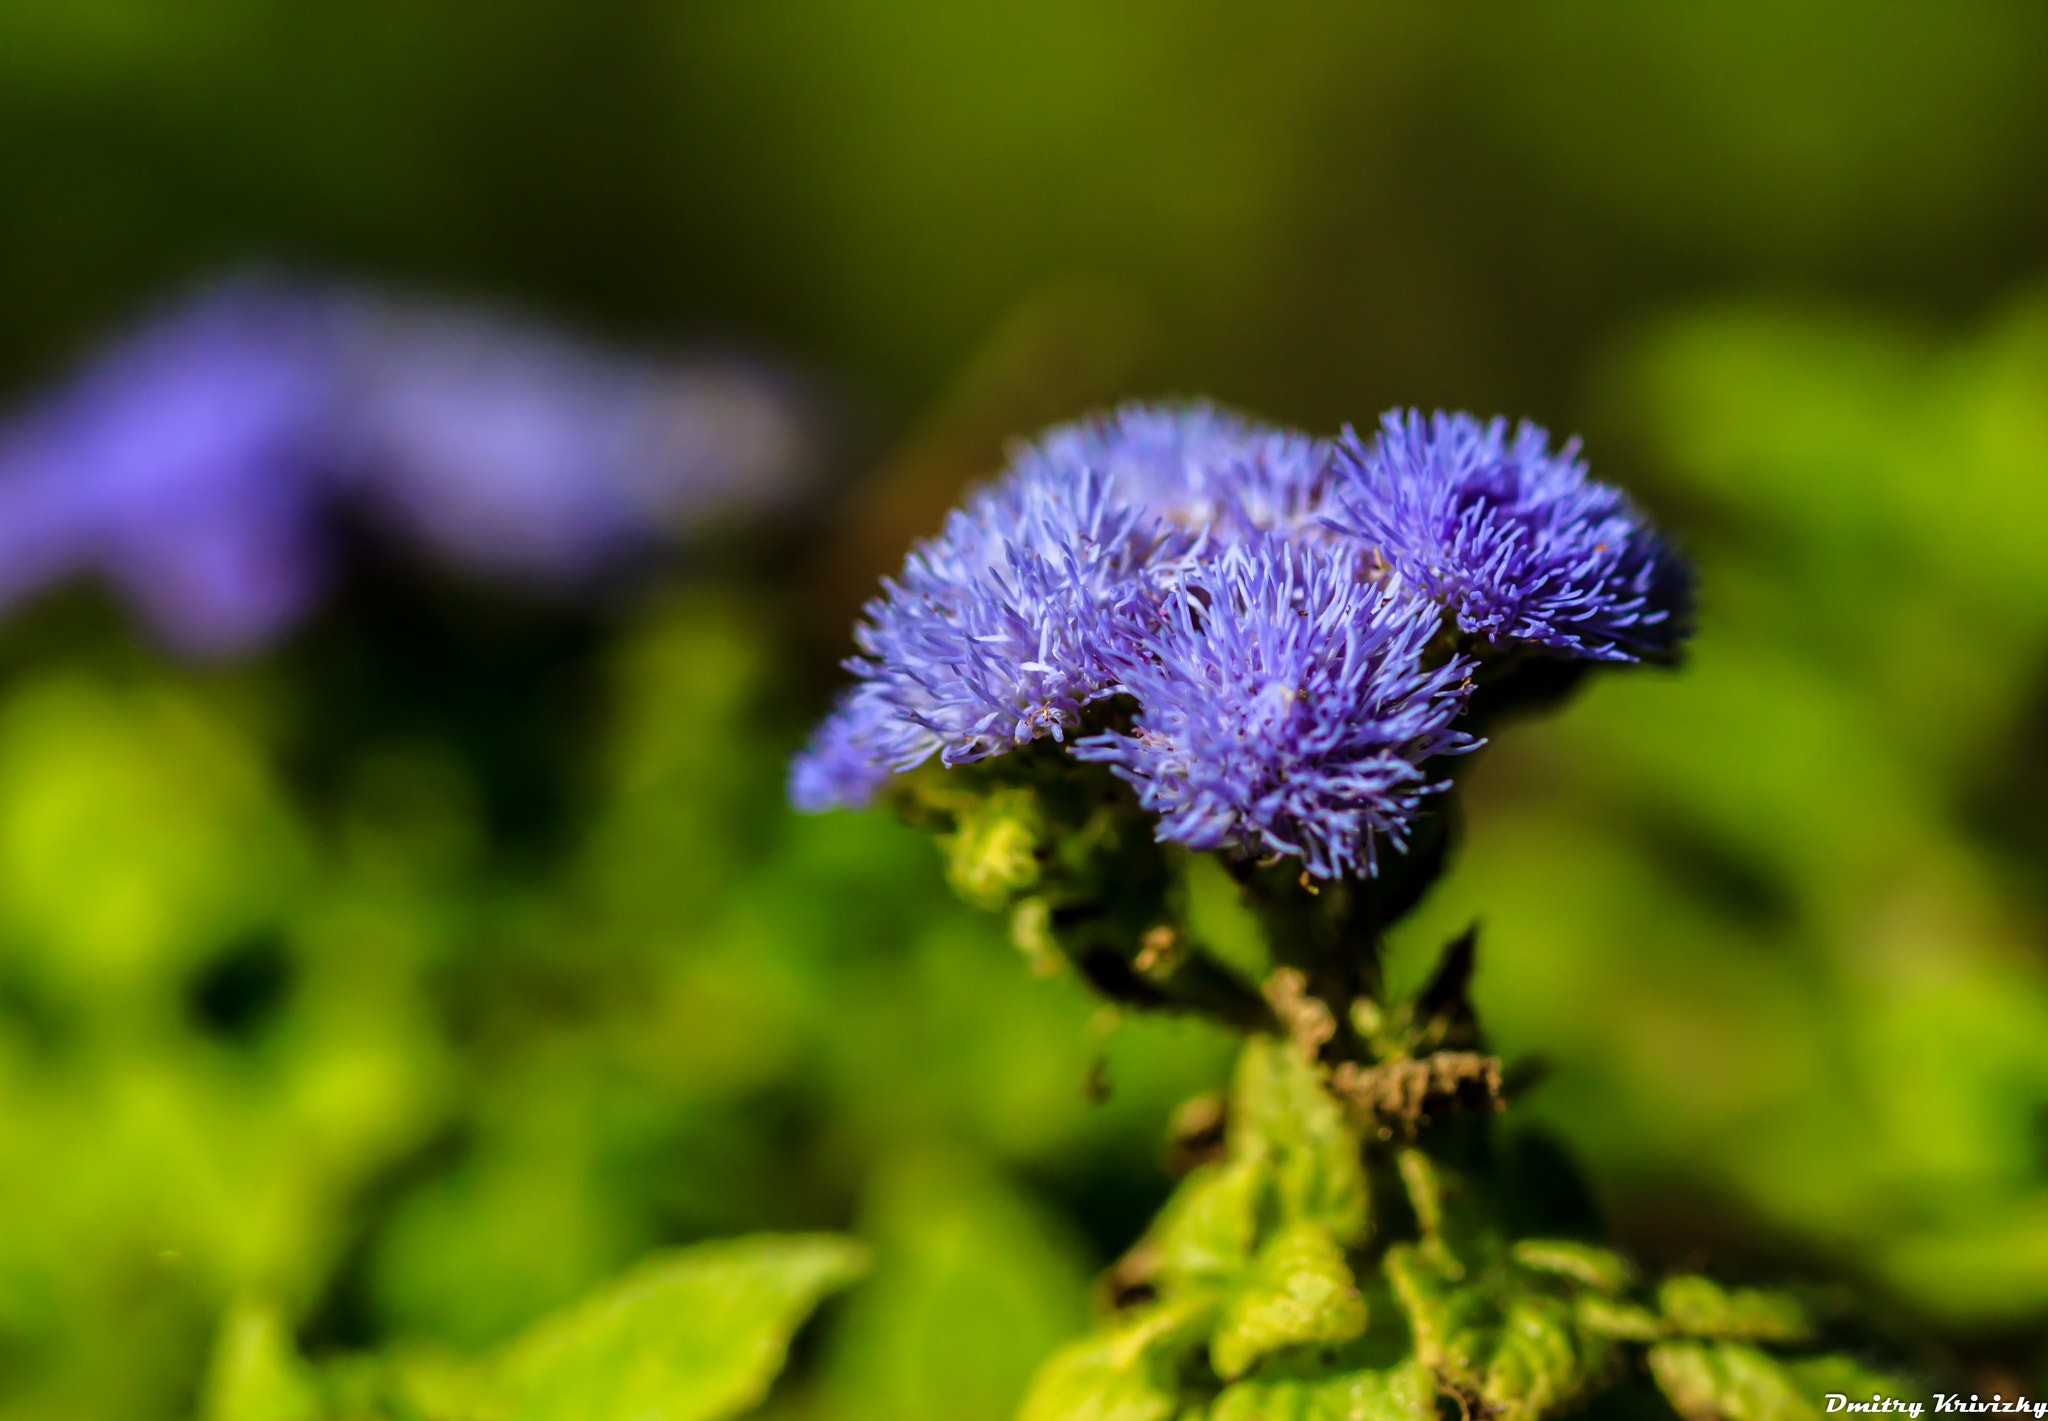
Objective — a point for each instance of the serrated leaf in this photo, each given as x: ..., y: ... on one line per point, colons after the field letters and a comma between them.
x: 1298, y: 1290
x: 1539, y: 1361
x: 1728, y: 1381
x: 1125, y: 1373
x: 1450, y: 1321
x: 1208, y: 1228
x: 1400, y: 1393
x: 1281, y: 1113
x: 1599, y: 1268
x: 1609, y: 1317
x: 256, y: 1373
x: 695, y: 1335
x: 1700, y: 1307
x: 1519, y: 1351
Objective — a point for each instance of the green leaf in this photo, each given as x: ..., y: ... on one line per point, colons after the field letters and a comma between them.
x: 1700, y: 1307
x: 1601, y: 1269
x: 1608, y: 1317
x: 408, y: 1381
x: 256, y: 1374
x: 695, y: 1335
x: 1487, y: 1333
x: 1208, y: 1228
x: 1281, y: 1113
x: 1451, y: 1323
x: 1401, y: 1393
x: 1728, y: 1381
x: 1126, y: 1373
x: 1299, y: 1290
x: 1538, y: 1362
x: 974, y: 1284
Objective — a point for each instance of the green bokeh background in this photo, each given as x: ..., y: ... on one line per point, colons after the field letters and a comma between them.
x: 425, y: 971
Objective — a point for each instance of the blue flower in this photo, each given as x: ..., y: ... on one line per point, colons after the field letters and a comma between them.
x: 1001, y: 629
x: 1514, y: 540
x: 996, y: 631
x: 1284, y: 707
x: 1198, y: 467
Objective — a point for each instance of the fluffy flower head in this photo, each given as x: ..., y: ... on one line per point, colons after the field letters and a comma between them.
x: 995, y: 632
x: 1284, y: 707
x: 1513, y: 539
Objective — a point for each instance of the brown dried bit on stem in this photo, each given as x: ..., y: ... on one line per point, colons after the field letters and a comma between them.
x: 1399, y: 1094
x: 1131, y: 1280
x: 1196, y: 1133
x: 1159, y: 952
x: 1307, y: 1019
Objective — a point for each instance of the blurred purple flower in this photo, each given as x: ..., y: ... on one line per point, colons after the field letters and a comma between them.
x: 197, y: 462
x: 185, y: 464
x: 508, y: 448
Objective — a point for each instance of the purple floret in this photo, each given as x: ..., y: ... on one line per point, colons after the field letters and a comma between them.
x: 1284, y: 707
x: 1514, y: 540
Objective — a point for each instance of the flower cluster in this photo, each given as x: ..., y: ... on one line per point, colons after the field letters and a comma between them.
x: 1289, y: 624
x: 196, y: 462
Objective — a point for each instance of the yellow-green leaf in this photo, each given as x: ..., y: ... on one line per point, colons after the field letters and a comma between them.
x: 1401, y: 1393
x: 1610, y: 1317
x: 1728, y: 1381
x: 1599, y: 1268
x: 1700, y: 1307
x: 695, y: 1335
x: 1299, y: 1290
x: 256, y: 1374
x: 1125, y: 1373
x: 1522, y: 1352
x: 1450, y: 1322
x: 1281, y: 1112
x: 1207, y: 1230
x: 1538, y: 1362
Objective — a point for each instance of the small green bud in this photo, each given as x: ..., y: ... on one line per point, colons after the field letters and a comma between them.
x: 992, y: 855
x: 1031, y: 931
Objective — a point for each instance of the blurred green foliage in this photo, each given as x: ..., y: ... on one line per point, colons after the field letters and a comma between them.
x: 1779, y: 916
x: 430, y: 972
